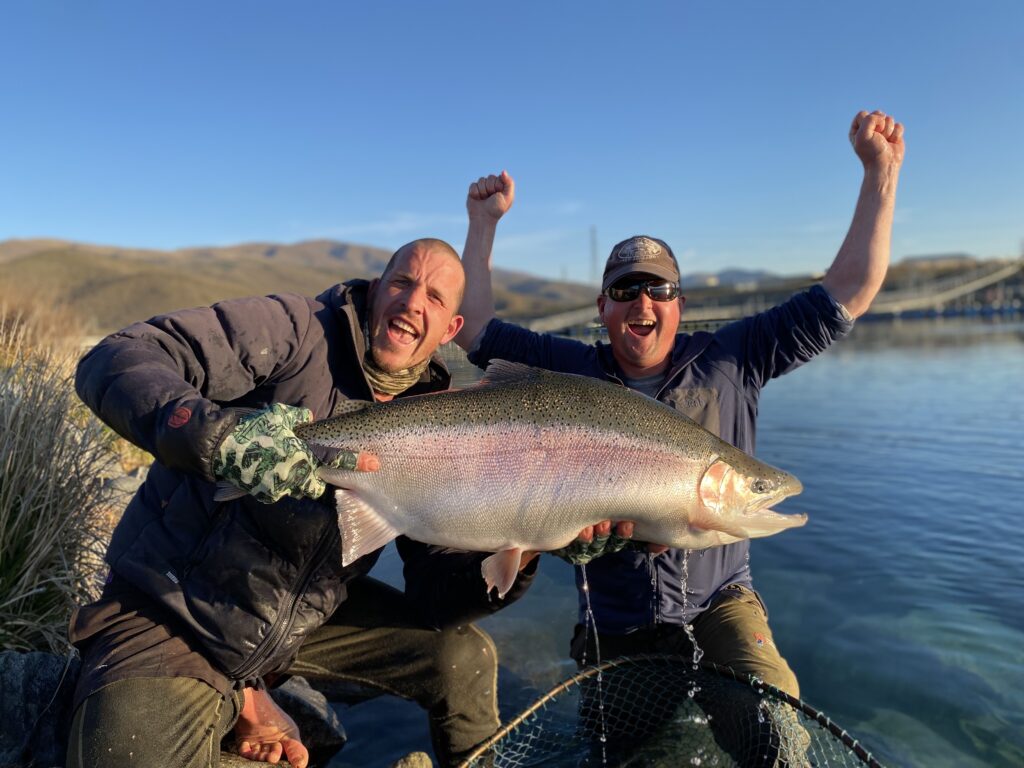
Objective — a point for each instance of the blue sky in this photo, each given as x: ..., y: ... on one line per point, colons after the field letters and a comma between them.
x: 718, y: 126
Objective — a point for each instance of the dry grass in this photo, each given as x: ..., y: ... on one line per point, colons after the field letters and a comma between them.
x: 53, y: 456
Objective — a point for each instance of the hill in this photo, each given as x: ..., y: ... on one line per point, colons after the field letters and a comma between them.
x: 109, y: 287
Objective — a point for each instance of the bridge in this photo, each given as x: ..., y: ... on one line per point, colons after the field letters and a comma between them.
x: 926, y: 295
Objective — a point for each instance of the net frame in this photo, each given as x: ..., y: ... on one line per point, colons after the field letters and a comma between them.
x: 762, y: 689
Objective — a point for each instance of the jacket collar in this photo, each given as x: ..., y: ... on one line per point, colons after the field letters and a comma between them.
x: 687, y: 348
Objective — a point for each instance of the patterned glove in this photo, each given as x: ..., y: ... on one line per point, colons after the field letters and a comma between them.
x: 263, y: 457
x: 582, y: 552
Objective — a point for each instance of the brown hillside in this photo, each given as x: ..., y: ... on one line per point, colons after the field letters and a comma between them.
x: 111, y: 287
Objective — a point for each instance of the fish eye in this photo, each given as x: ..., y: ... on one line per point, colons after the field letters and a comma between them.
x: 761, y: 486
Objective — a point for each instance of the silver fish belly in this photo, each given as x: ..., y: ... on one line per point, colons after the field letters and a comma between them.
x: 528, y: 458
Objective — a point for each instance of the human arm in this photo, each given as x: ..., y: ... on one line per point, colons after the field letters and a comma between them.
x: 488, y: 200
x: 178, y: 384
x: 857, y: 273
x: 265, y: 733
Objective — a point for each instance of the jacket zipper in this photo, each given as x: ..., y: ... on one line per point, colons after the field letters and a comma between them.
x: 281, y: 627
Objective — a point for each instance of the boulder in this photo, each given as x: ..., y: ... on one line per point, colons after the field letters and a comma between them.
x: 35, y: 708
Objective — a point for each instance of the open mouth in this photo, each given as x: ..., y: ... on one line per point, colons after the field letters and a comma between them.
x: 642, y: 327
x: 764, y: 502
x: 402, y: 332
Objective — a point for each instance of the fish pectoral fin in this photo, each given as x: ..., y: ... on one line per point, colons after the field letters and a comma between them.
x: 500, y: 570
x: 363, y: 529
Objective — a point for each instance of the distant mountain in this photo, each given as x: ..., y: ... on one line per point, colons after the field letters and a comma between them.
x: 728, y: 278
x: 110, y: 287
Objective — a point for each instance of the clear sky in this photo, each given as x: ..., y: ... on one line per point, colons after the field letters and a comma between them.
x: 718, y: 126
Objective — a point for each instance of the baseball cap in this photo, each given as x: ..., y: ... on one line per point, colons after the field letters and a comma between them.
x: 640, y: 254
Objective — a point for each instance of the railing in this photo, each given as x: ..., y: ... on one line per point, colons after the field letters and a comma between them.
x: 927, y: 295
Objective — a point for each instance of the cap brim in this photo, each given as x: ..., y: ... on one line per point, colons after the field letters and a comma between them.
x: 632, y: 269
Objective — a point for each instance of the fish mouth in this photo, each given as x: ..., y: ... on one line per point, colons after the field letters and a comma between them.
x: 766, y: 502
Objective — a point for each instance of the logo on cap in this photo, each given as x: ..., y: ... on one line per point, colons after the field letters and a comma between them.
x: 638, y: 249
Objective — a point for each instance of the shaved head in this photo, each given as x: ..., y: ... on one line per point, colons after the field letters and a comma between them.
x: 433, y: 245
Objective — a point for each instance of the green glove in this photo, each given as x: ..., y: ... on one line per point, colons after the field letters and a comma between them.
x: 582, y: 552
x: 263, y: 457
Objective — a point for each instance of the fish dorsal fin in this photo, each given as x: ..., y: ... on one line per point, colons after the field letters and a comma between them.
x: 504, y: 372
x: 344, y: 407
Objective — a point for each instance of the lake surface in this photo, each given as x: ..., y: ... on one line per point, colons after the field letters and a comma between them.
x: 900, y: 605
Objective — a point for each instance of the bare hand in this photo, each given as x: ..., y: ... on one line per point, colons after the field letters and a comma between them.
x: 265, y: 733
x: 491, y: 196
x: 877, y: 139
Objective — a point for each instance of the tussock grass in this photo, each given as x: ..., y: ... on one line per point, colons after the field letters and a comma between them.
x: 53, y: 455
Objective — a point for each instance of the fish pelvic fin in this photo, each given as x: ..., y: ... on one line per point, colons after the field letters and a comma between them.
x: 363, y: 529
x: 500, y: 570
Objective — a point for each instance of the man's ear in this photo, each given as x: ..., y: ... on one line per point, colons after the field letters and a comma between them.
x: 682, y: 303
x: 601, y: 300
x: 453, y: 328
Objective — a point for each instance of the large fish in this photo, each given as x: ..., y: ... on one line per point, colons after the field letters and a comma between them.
x: 527, y: 458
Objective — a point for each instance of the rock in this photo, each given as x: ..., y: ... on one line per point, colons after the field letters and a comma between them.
x: 322, y: 731
x: 35, y: 707
x: 123, y: 486
x: 414, y: 760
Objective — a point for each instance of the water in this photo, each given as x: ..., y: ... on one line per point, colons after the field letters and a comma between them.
x: 900, y: 605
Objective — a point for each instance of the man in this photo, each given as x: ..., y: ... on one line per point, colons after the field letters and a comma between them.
x: 208, y: 602
x: 638, y: 598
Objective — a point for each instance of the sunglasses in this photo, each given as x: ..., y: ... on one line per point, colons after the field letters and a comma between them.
x: 628, y: 289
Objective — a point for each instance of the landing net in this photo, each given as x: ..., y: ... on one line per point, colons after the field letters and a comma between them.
x: 662, y: 710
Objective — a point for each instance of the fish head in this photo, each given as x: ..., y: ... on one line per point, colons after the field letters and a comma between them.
x: 737, y: 493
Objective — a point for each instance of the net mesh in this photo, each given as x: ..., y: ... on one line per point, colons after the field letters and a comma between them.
x: 662, y: 710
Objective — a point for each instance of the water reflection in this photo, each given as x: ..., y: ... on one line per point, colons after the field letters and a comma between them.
x: 899, y: 604
x: 934, y: 333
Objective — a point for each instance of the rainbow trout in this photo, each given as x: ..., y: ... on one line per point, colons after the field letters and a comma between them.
x: 528, y: 458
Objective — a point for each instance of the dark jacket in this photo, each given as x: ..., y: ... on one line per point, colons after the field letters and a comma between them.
x: 250, y: 580
x: 715, y: 379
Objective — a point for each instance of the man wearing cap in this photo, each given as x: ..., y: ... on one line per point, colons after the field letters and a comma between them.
x: 645, y: 598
